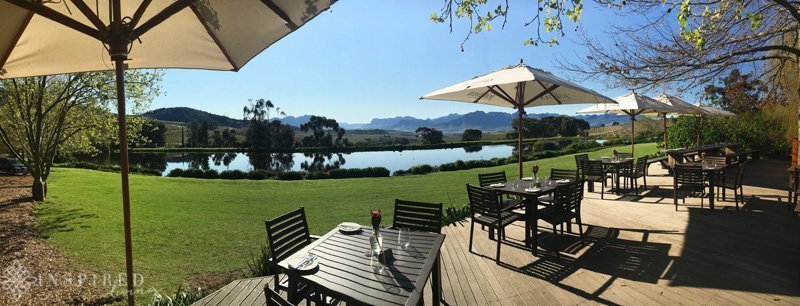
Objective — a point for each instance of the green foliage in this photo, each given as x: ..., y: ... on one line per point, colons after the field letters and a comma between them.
x: 550, y: 126
x: 291, y: 175
x: 453, y: 214
x: 261, y: 131
x: 325, y: 132
x: 739, y: 93
x: 430, y: 135
x: 180, y: 298
x: 421, y: 169
x: 759, y: 130
x: 261, y: 263
x: 472, y: 135
x: 356, y: 172
x: 194, y: 173
x: 198, y: 134
x: 152, y: 135
x: 177, y: 172
x: 233, y: 175
x: 259, y: 174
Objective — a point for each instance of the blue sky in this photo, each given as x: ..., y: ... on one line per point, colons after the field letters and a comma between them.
x: 374, y: 59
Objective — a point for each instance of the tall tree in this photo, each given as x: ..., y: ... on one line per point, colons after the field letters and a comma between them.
x: 198, y: 134
x: 430, y: 135
x: 42, y: 116
x: 472, y: 135
x: 324, y: 132
x: 152, y: 134
x: 739, y: 93
x: 262, y: 132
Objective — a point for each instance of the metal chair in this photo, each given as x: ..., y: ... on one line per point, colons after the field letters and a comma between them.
x: 486, y: 179
x: 487, y: 210
x: 732, y: 179
x: 274, y: 298
x: 417, y: 216
x: 624, y: 155
x: 689, y: 180
x: 563, y: 174
x: 579, y: 164
x: 596, y: 173
x: 566, y: 207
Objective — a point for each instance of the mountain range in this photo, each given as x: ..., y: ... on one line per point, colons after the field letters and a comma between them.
x: 452, y: 123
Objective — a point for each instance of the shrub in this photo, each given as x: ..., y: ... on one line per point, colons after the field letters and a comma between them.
x: 259, y: 174
x: 260, y: 264
x: 181, y: 298
x: 421, y: 169
x: 148, y: 171
x: 210, y: 174
x: 233, y: 175
x: 455, y: 214
x: 177, y: 172
x: 291, y: 175
x: 359, y: 172
x: 193, y: 173
x: 317, y: 175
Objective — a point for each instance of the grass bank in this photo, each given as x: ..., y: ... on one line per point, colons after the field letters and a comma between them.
x: 184, y: 227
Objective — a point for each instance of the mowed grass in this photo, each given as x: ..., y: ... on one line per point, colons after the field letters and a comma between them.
x: 184, y: 227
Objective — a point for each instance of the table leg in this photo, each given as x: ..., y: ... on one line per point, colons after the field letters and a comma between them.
x: 436, y: 284
x: 711, y: 179
x: 616, y: 174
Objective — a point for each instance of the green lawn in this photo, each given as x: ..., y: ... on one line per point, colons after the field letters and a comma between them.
x: 183, y: 227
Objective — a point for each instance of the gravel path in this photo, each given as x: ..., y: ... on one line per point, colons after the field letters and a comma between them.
x: 32, y: 272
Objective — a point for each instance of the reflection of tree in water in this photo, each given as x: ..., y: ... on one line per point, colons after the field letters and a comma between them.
x: 322, y: 161
x: 271, y: 161
x: 198, y: 161
x: 526, y: 149
x: 224, y: 159
x: 473, y: 149
x: 157, y: 161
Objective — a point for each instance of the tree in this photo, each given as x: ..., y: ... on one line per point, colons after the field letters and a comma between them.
x: 225, y: 138
x: 739, y: 93
x: 43, y: 116
x: 430, y: 135
x: 198, y: 134
x: 324, y: 132
x: 550, y: 126
x: 153, y: 134
x: 262, y: 132
x: 472, y: 135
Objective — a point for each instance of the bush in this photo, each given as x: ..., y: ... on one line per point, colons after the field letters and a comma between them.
x: 148, y: 171
x: 291, y: 175
x: 359, y: 172
x: 421, y: 169
x: 193, y: 173
x: 233, y: 175
x: 210, y: 174
x: 317, y: 175
x: 177, y: 172
x: 260, y: 264
x: 259, y: 174
x: 455, y: 214
x: 181, y: 298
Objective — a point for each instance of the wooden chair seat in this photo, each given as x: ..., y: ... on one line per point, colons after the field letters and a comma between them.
x: 508, y: 217
x: 549, y: 215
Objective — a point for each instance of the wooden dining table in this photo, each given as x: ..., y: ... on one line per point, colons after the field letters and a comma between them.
x: 615, y: 164
x: 346, y: 273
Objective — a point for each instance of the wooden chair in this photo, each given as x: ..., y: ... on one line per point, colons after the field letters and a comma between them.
x: 689, y: 180
x: 732, y: 179
x: 487, y: 210
x: 565, y: 208
x: 596, y: 173
x: 579, y: 164
x: 288, y: 234
x: 417, y: 216
x: 632, y: 174
x: 624, y: 155
x: 486, y: 179
x: 275, y: 299
x: 563, y: 174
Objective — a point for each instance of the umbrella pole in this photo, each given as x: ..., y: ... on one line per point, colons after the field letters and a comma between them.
x: 519, y: 139
x: 633, y: 134
x: 699, y: 123
x: 123, y: 160
x: 665, y: 131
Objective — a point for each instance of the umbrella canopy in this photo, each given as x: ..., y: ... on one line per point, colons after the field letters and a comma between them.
x: 631, y: 104
x: 518, y: 87
x: 713, y: 111
x: 683, y: 107
x: 54, y: 37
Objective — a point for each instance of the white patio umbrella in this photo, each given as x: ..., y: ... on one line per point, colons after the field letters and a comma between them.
x: 518, y: 87
x: 54, y: 37
x: 682, y: 107
x: 631, y: 104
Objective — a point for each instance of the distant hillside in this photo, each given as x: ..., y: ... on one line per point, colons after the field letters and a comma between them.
x: 186, y: 114
x: 452, y: 123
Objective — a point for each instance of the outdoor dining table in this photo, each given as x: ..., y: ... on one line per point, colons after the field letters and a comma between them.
x: 522, y: 188
x: 711, y: 171
x: 346, y: 273
x: 615, y: 164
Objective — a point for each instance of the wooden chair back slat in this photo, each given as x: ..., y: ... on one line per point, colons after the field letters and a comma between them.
x: 486, y: 179
x: 568, y: 197
x: 580, y: 165
x: 689, y: 175
x: 418, y: 216
x: 287, y: 234
x: 563, y: 174
x: 274, y: 299
x: 483, y: 201
x: 624, y: 155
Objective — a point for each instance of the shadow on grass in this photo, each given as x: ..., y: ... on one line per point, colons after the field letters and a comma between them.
x: 54, y: 219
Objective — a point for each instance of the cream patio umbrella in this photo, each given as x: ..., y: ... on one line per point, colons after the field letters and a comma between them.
x: 631, y: 104
x: 518, y: 87
x: 682, y: 107
x: 41, y: 37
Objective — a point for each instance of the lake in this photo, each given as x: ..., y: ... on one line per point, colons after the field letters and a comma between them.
x: 392, y: 160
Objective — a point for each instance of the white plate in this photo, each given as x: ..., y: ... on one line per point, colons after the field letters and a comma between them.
x: 349, y: 227
x: 527, y: 178
x: 564, y: 181
x: 498, y: 185
x: 533, y: 189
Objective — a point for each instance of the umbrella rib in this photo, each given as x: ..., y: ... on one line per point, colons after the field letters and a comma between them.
x: 541, y: 94
x: 167, y: 12
x: 551, y: 92
x: 137, y: 16
x: 214, y: 37
x: 481, y: 96
x: 16, y: 39
x: 54, y: 15
x: 507, y: 96
x: 501, y: 95
x: 89, y: 14
x: 282, y: 14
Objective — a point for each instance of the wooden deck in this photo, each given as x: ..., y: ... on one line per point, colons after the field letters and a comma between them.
x: 638, y: 250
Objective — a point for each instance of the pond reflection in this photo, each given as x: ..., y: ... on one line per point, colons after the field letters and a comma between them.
x: 280, y: 162
x: 318, y: 162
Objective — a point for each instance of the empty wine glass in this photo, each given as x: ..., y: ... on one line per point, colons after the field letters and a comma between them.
x: 377, y: 266
x: 404, y: 237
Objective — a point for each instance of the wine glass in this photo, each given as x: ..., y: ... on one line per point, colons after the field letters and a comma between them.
x: 404, y: 237
x: 377, y: 266
x: 375, y: 245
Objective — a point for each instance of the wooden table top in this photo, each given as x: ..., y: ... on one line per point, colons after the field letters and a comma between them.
x: 346, y: 272
x: 517, y: 187
x: 611, y: 161
x: 707, y: 168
